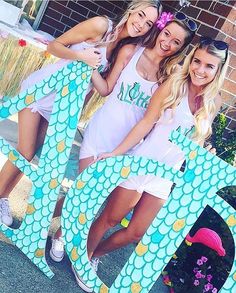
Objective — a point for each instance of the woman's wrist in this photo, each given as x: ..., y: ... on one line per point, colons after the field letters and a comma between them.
x: 78, y: 56
x: 115, y: 153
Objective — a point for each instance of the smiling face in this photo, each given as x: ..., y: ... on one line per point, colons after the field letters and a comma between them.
x: 170, y: 40
x: 141, y: 21
x: 203, y: 68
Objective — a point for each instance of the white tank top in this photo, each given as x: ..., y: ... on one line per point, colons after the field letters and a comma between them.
x: 157, y: 145
x: 85, y: 45
x: 125, y: 106
x: 48, y: 70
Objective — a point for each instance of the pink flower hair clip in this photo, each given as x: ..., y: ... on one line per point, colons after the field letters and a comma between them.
x: 163, y: 19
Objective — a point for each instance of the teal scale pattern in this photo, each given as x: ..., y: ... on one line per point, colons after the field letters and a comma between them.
x: 70, y: 84
x: 205, y: 174
x: 195, y: 188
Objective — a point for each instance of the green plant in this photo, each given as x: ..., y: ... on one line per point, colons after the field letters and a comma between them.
x: 229, y: 194
x: 225, y: 148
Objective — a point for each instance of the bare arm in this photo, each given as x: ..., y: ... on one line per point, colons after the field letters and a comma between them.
x: 105, y: 86
x: 144, y: 126
x: 89, y: 30
x: 218, y: 105
x: 152, y: 115
x: 218, y: 101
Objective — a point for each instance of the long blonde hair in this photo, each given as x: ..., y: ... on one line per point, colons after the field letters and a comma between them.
x: 179, y: 88
x: 133, y: 7
x: 112, y: 36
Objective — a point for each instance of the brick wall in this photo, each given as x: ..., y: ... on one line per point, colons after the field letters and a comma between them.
x: 217, y: 20
x: 62, y: 15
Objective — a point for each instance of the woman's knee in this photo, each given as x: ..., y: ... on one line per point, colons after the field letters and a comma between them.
x: 133, y: 234
x: 84, y: 163
x: 112, y: 222
x: 26, y: 151
x: 108, y: 221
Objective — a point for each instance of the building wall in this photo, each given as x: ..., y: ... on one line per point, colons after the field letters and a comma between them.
x: 215, y: 19
x: 62, y: 15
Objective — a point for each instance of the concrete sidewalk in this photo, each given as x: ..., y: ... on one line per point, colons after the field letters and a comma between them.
x: 19, y: 275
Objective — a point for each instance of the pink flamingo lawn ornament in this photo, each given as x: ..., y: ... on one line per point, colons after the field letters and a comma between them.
x: 209, y: 238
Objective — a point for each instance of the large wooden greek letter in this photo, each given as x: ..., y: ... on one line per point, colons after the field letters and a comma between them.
x: 70, y: 84
x: 195, y: 188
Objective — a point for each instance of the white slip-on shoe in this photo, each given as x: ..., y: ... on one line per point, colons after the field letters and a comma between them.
x: 5, y: 212
x: 94, y: 263
x: 81, y: 282
x: 57, y: 251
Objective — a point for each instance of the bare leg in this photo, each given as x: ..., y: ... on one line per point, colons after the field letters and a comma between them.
x: 57, y: 213
x: 84, y: 163
x: 120, y: 202
x: 28, y: 125
x: 144, y: 213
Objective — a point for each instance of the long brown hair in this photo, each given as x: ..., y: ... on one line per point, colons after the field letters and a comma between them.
x: 119, y: 24
x: 168, y: 64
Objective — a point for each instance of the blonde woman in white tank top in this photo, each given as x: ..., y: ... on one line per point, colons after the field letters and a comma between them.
x: 132, y: 80
x: 146, y: 66
x: 93, y: 42
x: 131, y: 95
x: 96, y: 42
x: 190, y: 97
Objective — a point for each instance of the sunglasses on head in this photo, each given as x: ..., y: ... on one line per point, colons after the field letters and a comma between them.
x: 192, y: 26
x: 220, y: 45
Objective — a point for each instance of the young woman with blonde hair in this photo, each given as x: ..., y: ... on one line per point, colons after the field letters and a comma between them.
x: 131, y: 85
x: 147, y: 68
x: 93, y: 42
x: 136, y: 74
x: 189, y: 98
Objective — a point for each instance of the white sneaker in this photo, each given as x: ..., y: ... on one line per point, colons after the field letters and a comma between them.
x: 57, y: 250
x: 81, y: 282
x: 94, y: 263
x: 5, y: 212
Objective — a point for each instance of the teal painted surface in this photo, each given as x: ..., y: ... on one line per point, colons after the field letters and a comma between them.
x: 190, y: 196
x: 204, y: 175
x: 70, y: 83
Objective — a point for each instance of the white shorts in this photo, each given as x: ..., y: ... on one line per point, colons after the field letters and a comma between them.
x: 44, y: 106
x: 154, y: 185
x: 87, y: 150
